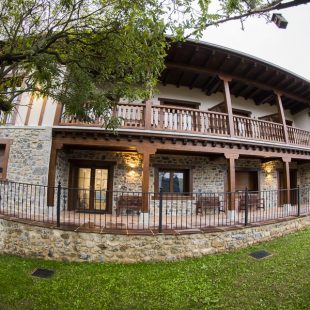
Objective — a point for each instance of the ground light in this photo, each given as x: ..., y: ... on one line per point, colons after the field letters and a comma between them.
x: 43, y: 273
x: 259, y: 254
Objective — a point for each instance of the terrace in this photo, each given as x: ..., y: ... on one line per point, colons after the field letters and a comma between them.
x: 167, y: 213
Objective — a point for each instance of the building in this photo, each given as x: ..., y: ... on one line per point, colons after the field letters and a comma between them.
x: 222, y: 122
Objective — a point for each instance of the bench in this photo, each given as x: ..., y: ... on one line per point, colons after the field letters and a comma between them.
x: 254, y: 201
x: 209, y: 203
x: 128, y: 202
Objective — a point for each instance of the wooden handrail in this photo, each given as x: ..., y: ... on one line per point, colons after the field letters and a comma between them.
x: 187, y: 120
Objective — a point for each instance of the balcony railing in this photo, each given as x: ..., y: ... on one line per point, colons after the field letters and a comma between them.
x: 257, y: 129
x: 194, y: 121
x: 298, y: 136
x: 113, y: 211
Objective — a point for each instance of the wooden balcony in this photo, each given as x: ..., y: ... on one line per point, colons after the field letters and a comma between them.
x: 194, y: 121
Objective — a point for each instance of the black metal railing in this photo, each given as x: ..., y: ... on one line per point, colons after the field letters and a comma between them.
x: 108, y: 211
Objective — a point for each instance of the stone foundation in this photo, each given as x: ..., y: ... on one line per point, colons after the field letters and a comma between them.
x: 41, y: 242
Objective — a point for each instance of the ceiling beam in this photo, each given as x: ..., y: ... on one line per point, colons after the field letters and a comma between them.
x: 194, y: 79
x: 201, y: 70
x: 214, y: 87
x: 180, y: 79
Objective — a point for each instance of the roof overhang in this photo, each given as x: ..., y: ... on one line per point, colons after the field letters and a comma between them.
x: 199, y: 65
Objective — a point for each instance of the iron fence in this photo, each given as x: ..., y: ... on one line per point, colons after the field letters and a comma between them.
x: 108, y: 211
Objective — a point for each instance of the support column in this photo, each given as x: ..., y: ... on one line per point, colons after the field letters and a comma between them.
x: 52, y: 174
x: 287, y: 180
x: 147, y: 152
x: 282, y: 116
x: 227, y: 99
x: 231, y: 199
x: 148, y: 115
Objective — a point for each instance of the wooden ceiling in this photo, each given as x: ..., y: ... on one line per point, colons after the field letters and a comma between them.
x: 198, y: 65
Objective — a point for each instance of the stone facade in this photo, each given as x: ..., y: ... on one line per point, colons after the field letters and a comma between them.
x: 41, y: 242
x: 208, y: 175
x: 29, y: 154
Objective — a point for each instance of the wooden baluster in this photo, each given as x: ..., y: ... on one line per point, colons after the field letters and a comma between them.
x: 201, y: 122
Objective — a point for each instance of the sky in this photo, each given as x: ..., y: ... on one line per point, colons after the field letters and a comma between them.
x: 288, y: 48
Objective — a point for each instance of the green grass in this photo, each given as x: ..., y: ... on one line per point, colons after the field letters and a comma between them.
x: 226, y: 281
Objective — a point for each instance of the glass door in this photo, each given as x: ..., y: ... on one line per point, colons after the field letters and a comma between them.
x: 100, y: 189
x: 84, y: 187
x: 92, y: 189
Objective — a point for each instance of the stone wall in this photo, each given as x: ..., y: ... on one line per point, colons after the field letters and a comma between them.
x: 40, y: 242
x: 208, y: 174
x: 29, y: 154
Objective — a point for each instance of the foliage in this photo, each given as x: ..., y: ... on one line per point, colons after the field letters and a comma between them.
x: 90, y: 53
x: 226, y: 281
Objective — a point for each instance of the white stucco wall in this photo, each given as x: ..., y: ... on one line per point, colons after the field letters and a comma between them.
x: 302, y: 119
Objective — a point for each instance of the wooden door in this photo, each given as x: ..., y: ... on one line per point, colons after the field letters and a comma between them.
x: 91, y: 187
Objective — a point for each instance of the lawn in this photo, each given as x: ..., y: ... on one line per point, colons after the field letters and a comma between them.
x: 226, y: 281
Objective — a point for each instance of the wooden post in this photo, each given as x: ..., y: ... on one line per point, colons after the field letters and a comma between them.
x: 148, y: 115
x: 43, y: 107
x: 58, y: 112
x: 282, y: 116
x: 52, y: 174
x: 231, y: 179
x: 287, y: 179
x: 227, y: 98
x: 29, y: 109
x: 146, y: 177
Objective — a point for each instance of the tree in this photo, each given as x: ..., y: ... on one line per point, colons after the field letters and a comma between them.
x: 88, y: 54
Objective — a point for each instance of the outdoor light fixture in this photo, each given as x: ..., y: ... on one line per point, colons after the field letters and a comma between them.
x: 279, y: 20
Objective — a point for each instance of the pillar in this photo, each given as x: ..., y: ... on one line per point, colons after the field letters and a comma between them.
x: 231, y: 199
x: 147, y: 152
x: 52, y: 174
x: 287, y: 180
x: 227, y: 98
x: 282, y: 116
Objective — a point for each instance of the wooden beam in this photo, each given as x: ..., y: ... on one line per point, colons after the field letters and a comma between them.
x: 231, y: 158
x: 148, y: 115
x: 180, y: 79
x: 227, y: 99
x: 43, y: 107
x: 214, y: 87
x: 209, y: 57
x: 204, y: 70
x: 287, y: 179
x: 29, y: 109
x: 52, y: 174
x: 208, y: 83
x: 58, y: 113
x: 147, y: 152
x: 282, y: 116
x: 264, y: 99
x: 194, y: 79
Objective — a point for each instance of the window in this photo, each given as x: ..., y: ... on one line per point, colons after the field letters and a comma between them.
x: 173, y: 180
x: 2, y: 150
x: 179, y: 103
x: 4, y: 156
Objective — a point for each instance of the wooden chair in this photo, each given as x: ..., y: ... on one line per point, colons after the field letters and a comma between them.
x: 128, y: 202
x: 209, y: 203
x: 254, y: 201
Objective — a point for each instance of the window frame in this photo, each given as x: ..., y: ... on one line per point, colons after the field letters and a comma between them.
x: 189, y: 181
x: 7, y: 144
